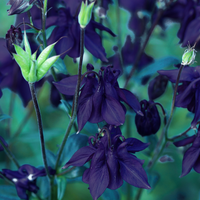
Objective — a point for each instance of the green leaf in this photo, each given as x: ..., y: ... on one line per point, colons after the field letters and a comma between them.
x: 45, y: 54
x: 27, y: 45
x: 8, y: 193
x: 74, y: 143
x: 60, y: 66
x: 76, y: 172
x: 62, y: 182
x: 110, y: 195
x: 33, y: 57
x: 51, y: 158
x: 22, y: 53
x: 158, y: 65
x: 23, y: 65
x: 43, y: 69
x: 3, y: 116
x: 49, y: 31
x: 43, y: 184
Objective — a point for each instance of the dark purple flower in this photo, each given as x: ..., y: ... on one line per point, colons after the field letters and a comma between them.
x: 25, y: 178
x: 138, y: 8
x: 188, y: 91
x: 68, y: 27
x: 1, y: 148
x: 20, y: 6
x: 191, y: 158
x: 130, y: 51
x: 157, y: 87
x: 149, y: 123
x: 186, y: 12
x: 110, y: 165
x: 100, y: 98
x: 13, y: 36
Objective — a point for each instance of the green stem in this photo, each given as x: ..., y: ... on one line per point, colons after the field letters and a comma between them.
x: 76, y: 98
x: 44, y: 12
x: 9, y: 154
x: 39, y: 120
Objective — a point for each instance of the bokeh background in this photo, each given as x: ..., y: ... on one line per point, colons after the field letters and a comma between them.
x: 164, y: 177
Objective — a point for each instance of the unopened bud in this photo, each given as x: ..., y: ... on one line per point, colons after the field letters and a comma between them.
x: 188, y: 57
x: 85, y: 14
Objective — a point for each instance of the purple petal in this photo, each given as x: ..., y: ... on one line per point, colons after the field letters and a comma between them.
x: 99, y: 174
x: 197, y: 165
x: 82, y: 156
x: 67, y: 85
x: 135, y: 145
x: 189, y: 159
x: 94, y: 46
x: 131, y: 168
x: 185, y: 141
x: 197, y: 108
x: 112, y: 111
x: 21, y: 193
x: 133, y: 173
x: 86, y: 176
x: 96, y: 115
x: 187, y: 74
x: 84, y: 112
x: 116, y: 180
x: 130, y: 99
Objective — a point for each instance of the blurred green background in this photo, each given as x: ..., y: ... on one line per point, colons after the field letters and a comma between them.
x: 26, y: 147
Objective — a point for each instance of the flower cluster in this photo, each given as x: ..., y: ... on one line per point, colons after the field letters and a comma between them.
x: 112, y: 161
x: 100, y: 98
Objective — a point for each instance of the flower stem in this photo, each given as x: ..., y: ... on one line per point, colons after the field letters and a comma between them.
x: 76, y: 98
x: 9, y: 154
x: 39, y: 120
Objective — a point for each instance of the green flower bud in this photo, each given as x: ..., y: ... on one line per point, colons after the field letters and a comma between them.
x: 34, y: 69
x: 85, y: 14
x: 188, y: 57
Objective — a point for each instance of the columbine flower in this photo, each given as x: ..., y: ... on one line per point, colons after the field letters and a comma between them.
x: 20, y: 6
x: 13, y: 36
x: 189, y: 90
x: 149, y: 123
x: 1, y: 148
x: 111, y: 165
x: 191, y: 158
x: 25, y: 178
x: 100, y: 99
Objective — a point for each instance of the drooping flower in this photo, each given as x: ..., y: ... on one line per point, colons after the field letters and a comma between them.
x: 25, y: 178
x: 110, y: 165
x: 188, y: 91
x: 191, y: 158
x: 100, y: 99
x: 13, y: 36
x: 20, y: 6
x: 149, y: 123
x: 157, y: 86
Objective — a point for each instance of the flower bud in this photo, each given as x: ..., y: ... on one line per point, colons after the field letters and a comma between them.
x: 149, y: 123
x: 188, y: 57
x: 85, y: 13
x: 20, y: 6
x: 34, y: 69
x: 13, y: 36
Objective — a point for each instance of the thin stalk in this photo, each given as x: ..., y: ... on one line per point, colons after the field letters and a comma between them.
x: 39, y: 120
x: 9, y: 154
x: 76, y: 98
x: 44, y: 12
x: 134, y: 67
